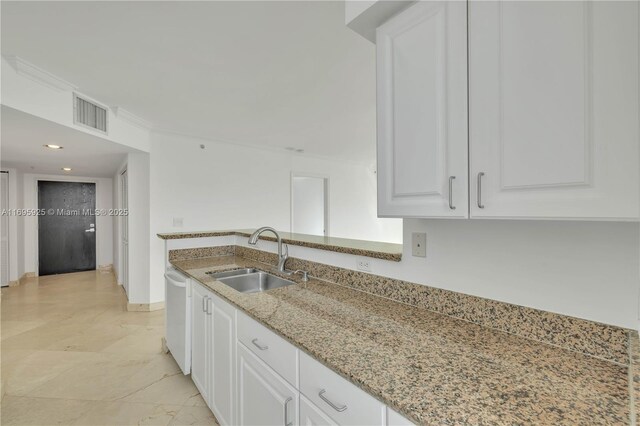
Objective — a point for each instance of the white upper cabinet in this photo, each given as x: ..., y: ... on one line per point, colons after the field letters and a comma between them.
x: 553, y: 95
x: 553, y: 110
x: 422, y: 112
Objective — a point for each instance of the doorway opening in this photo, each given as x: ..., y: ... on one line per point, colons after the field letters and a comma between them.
x: 309, y: 204
x: 66, y: 227
x: 4, y: 232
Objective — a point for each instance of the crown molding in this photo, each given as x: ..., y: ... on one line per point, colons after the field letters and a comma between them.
x: 130, y: 118
x: 271, y: 148
x: 32, y: 72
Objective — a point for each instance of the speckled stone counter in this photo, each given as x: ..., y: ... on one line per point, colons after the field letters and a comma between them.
x: 432, y: 368
x: 374, y: 249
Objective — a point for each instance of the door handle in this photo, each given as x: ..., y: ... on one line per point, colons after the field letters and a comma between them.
x: 286, y: 412
x: 339, y: 408
x: 480, y: 205
x: 259, y: 346
x: 451, y: 206
x: 90, y: 230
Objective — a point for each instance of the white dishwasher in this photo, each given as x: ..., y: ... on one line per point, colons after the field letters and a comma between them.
x: 178, y: 317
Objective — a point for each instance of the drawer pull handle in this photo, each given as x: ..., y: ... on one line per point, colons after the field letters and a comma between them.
x: 286, y: 411
x: 451, y: 206
x: 339, y: 408
x: 480, y: 205
x: 257, y: 345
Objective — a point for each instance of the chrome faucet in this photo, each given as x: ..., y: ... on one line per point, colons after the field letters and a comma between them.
x: 282, y: 257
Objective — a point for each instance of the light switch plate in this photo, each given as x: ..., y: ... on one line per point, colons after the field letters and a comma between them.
x: 419, y: 244
x: 177, y: 222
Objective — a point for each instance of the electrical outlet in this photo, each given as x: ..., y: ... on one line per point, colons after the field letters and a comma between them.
x: 177, y: 222
x: 363, y: 265
x: 419, y: 244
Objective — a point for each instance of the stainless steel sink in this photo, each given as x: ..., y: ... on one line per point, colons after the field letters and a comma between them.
x: 255, y: 282
x: 233, y: 273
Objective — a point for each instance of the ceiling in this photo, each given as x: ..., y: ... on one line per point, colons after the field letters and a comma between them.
x: 23, y: 136
x: 280, y: 74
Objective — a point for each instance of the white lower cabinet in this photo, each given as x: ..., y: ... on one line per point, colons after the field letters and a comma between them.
x: 222, y: 361
x: 310, y: 415
x: 248, y: 375
x: 200, y: 339
x: 264, y: 398
x: 276, y: 352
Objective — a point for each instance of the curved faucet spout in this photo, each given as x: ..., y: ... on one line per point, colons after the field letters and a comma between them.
x: 282, y: 256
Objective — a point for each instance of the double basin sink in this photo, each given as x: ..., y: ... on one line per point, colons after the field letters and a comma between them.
x: 249, y: 280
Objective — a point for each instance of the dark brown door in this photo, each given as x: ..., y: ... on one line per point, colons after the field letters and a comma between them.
x: 66, y: 227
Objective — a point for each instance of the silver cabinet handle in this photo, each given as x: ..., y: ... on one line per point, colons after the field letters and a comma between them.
x: 285, y: 414
x: 480, y: 205
x: 451, y: 206
x: 90, y: 230
x: 339, y: 408
x: 257, y: 345
x: 209, y: 303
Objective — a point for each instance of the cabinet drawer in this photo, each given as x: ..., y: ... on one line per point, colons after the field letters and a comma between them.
x: 279, y: 354
x: 343, y: 401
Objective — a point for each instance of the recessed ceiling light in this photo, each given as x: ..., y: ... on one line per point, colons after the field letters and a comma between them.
x: 66, y: 169
x: 52, y: 146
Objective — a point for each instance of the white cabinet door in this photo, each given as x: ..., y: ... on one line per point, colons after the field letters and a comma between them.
x: 310, y: 415
x: 223, y: 361
x: 422, y: 112
x: 264, y: 398
x: 340, y: 399
x: 553, y: 109
x: 200, y: 337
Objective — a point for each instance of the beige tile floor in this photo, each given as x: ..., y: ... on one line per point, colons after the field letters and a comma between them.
x: 71, y: 354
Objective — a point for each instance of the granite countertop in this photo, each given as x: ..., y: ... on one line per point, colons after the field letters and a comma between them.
x: 432, y: 368
x: 374, y: 249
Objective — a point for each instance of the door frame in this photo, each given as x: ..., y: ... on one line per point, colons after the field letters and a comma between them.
x: 10, y: 232
x: 13, y: 224
x: 326, y: 197
x: 34, y: 223
x: 122, y: 278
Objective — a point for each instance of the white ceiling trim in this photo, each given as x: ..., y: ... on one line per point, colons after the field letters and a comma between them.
x: 38, y: 75
x: 169, y: 132
x: 130, y: 118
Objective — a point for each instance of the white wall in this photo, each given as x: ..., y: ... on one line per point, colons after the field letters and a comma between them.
x: 104, y: 224
x: 588, y: 270
x: 228, y: 186
x: 352, y: 200
x: 33, y: 96
x: 583, y: 269
x: 117, y: 223
x: 138, y: 169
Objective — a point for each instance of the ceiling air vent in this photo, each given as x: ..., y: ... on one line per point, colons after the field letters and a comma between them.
x: 88, y: 114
